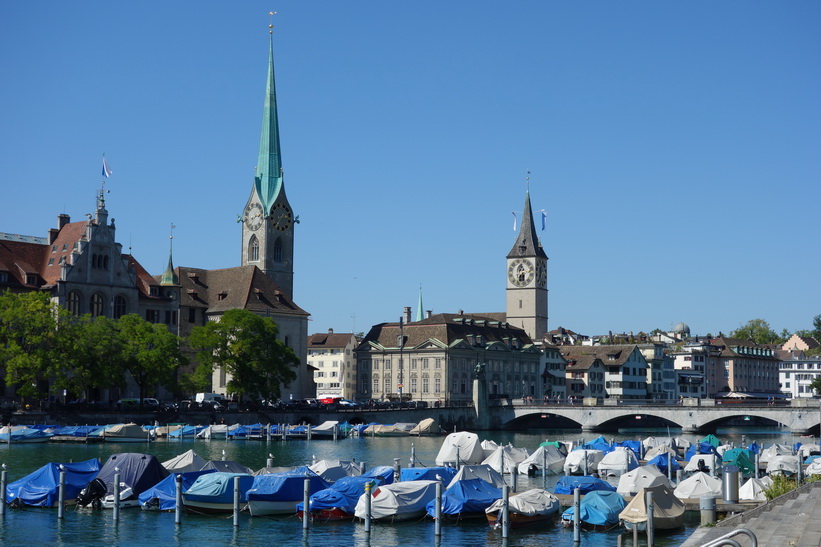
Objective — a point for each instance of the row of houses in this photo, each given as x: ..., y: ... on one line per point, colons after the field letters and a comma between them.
x: 437, y: 358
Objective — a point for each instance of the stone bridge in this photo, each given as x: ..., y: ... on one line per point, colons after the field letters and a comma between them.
x: 691, y: 415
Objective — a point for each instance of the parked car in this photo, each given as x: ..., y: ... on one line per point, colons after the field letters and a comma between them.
x: 345, y: 403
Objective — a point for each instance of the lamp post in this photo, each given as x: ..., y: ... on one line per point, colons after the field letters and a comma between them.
x: 401, y: 355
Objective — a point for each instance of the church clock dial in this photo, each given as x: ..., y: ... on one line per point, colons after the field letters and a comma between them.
x: 281, y: 217
x: 253, y: 216
x: 541, y: 275
x: 521, y: 272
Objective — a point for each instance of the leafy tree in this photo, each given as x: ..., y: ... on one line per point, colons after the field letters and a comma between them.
x: 245, y: 345
x: 149, y: 352
x: 816, y: 384
x: 758, y: 331
x: 91, y: 355
x: 29, y: 341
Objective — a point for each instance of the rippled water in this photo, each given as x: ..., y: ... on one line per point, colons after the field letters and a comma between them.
x: 141, y: 528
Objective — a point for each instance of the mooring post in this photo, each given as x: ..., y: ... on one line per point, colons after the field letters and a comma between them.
x: 577, y: 515
x: 396, y: 470
x: 3, y: 488
x: 412, y: 456
x: 514, y: 477
x: 61, y: 494
x: 505, y: 510
x: 116, y: 494
x: 669, y: 467
x: 178, y: 506
x: 236, y: 501
x: 757, y: 463
x: 544, y: 468
x: 308, y: 431
x: 650, y: 515
x: 363, y: 466
x: 306, y: 502
x: 584, y: 455
x: 368, y: 507
x: 270, y: 461
x: 268, y: 433
x: 437, y: 527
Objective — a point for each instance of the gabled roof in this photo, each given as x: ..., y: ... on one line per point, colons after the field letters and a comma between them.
x: 610, y: 355
x: 582, y: 362
x: 329, y: 340
x: 242, y: 287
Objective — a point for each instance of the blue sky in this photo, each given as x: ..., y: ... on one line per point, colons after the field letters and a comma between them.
x: 674, y: 146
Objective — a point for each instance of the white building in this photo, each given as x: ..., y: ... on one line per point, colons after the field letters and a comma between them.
x: 331, y: 356
x: 797, y: 373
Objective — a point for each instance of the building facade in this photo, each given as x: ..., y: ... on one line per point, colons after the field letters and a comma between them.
x: 625, y: 365
x: 332, y: 358
x: 796, y: 372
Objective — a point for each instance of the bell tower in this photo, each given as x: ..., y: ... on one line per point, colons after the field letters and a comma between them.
x: 527, y: 279
x: 268, y: 220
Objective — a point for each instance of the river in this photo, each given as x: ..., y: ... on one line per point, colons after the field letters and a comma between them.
x: 141, y: 528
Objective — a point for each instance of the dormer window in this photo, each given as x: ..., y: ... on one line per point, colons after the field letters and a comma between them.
x: 154, y: 291
x: 222, y: 295
x: 31, y: 279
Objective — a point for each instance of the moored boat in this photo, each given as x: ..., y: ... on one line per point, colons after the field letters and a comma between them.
x: 213, y: 493
x: 668, y: 510
x: 40, y: 488
x: 279, y: 493
x: 599, y: 511
x: 529, y: 507
x: 398, y: 501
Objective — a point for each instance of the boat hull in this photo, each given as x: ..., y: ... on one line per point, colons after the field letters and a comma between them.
x: 260, y: 508
x: 518, y: 520
x: 210, y: 508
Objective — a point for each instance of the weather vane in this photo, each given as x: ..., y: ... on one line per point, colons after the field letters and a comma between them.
x: 271, y: 21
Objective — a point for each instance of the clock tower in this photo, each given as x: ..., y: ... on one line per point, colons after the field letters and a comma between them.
x: 268, y: 220
x: 527, y: 279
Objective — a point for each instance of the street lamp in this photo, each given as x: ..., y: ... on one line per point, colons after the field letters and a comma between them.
x: 401, y: 355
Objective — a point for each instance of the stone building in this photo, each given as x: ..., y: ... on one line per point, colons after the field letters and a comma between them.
x: 332, y: 359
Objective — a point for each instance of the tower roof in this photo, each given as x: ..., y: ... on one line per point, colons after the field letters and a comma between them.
x: 527, y: 242
x: 169, y: 276
x: 268, y: 178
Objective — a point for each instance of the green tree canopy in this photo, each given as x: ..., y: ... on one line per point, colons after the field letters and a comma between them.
x: 245, y: 345
x: 91, y: 355
x: 758, y: 331
x: 149, y: 351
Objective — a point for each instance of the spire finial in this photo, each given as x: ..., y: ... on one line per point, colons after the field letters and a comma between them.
x: 527, y: 179
x: 271, y: 21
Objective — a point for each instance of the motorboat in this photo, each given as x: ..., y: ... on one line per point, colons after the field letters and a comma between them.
x: 574, y: 464
x: 185, y: 462
x: 389, y: 430
x: 41, y: 487
x: 125, y: 433
x: 617, y: 462
x: 484, y: 472
x: 137, y: 473
x: 333, y: 470
x: 398, y: 501
x: 546, y: 454
x: 530, y: 507
x: 338, y: 501
x: 25, y: 435
x: 163, y: 495
x: 668, y: 510
x: 464, y: 499
x: 772, y: 451
x: 585, y: 484
x: 213, y: 493
x: 599, y: 511
x: 703, y: 462
x: 754, y: 489
x: 741, y: 458
x: 642, y: 477
x: 227, y: 466
x: 699, y: 485
x: 506, y: 459
x: 442, y: 473
x: 326, y: 430
x: 428, y: 426
x: 461, y: 448
x: 783, y: 465
x: 278, y: 494
x: 216, y: 431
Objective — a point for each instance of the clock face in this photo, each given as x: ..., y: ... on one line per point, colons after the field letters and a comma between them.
x: 253, y: 216
x: 541, y: 274
x: 281, y: 217
x: 521, y: 272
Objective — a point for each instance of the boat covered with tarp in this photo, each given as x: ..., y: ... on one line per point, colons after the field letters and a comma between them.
x: 445, y: 474
x: 668, y: 510
x: 25, y: 435
x: 642, y: 477
x: 163, y: 495
x: 333, y: 470
x: 41, y: 487
x: 484, y: 472
x: 741, y: 458
x: 137, y: 473
x: 783, y: 465
x: 124, y: 433
x: 599, y: 510
x: 546, y: 454
x: 213, y: 493
x: 506, y: 458
x: 698, y: 485
x: 278, y: 493
x: 338, y: 501
x: 185, y: 462
x: 618, y: 462
x: 575, y: 464
x: 467, y: 498
x: 461, y: 448
x: 398, y: 501
x: 529, y: 507
x: 703, y: 462
x: 428, y: 426
x: 585, y: 484
x: 227, y: 466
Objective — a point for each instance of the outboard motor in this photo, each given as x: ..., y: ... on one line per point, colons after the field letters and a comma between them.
x: 92, y: 494
x: 704, y: 468
x: 531, y: 470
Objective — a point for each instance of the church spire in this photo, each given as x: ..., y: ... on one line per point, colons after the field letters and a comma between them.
x: 268, y: 178
x: 420, y: 313
x: 527, y: 243
x: 169, y: 276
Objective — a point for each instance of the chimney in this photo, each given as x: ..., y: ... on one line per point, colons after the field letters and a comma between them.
x: 330, y: 331
x: 428, y: 313
x: 407, y: 314
x: 62, y: 220
x: 52, y: 235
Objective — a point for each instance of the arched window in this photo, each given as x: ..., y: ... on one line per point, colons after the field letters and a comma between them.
x: 119, y: 306
x: 278, y: 250
x: 97, y: 304
x: 73, y: 303
x: 253, y: 249
x: 105, y: 262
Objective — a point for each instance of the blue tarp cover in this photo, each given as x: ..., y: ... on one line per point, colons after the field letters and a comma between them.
x: 585, y: 484
x: 40, y: 488
x: 218, y: 487
x: 700, y: 448
x: 427, y: 474
x: 382, y: 473
x: 599, y: 508
x: 137, y: 471
x: 466, y: 496
x: 660, y: 461
x: 343, y: 494
x: 285, y: 486
x: 166, y: 490
x: 635, y: 446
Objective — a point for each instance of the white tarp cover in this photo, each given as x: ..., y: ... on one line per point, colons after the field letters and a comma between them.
x: 470, y: 450
x: 333, y: 470
x: 619, y: 461
x: 327, y: 426
x: 483, y: 472
x: 699, y: 485
x: 398, y: 499
x: 808, y: 450
x: 216, y: 431
x: 708, y: 459
x: 668, y: 510
x: 773, y: 450
x: 506, y: 457
x: 489, y: 447
x: 185, y: 462
x: 658, y: 451
x: 529, y: 503
x: 425, y: 427
x: 785, y: 465
x: 682, y: 443
x: 574, y: 463
x: 653, y: 442
x: 555, y: 460
x: 814, y: 468
x: 642, y: 477
x: 754, y: 488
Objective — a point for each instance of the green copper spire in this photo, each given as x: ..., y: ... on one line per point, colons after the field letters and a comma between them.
x: 169, y: 276
x: 420, y: 314
x: 268, y: 178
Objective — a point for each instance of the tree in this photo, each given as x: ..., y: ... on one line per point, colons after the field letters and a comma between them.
x: 91, y: 355
x: 149, y: 352
x: 245, y: 345
x: 29, y: 341
x: 758, y: 331
x: 816, y: 384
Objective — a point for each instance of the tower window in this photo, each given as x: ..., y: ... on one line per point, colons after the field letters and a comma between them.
x: 73, y: 303
x: 253, y: 249
x: 278, y: 250
x: 97, y: 304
